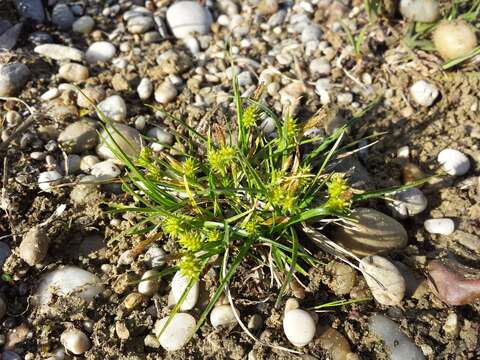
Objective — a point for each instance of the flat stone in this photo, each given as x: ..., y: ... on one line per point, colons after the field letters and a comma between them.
x: 59, y: 52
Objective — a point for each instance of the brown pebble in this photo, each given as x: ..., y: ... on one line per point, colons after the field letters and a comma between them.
x: 16, y: 336
x: 133, y: 300
x: 450, y: 284
x: 411, y: 173
x: 122, y: 330
x: 335, y: 344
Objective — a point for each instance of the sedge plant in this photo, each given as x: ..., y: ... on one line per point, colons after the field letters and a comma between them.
x: 238, y: 196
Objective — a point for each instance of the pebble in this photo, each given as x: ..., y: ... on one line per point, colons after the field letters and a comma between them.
x: 424, y: 93
x: 145, y: 89
x: 31, y: 9
x: 320, y: 66
x: 122, y: 331
x: 447, y: 280
x: 187, y: 17
x: 408, y: 202
x: 73, y: 72
x: 10, y: 355
x: 299, y: 327
x: 87, y: 162
x: 149, y: 283
x: 267, y: 7
x: 114, y: 108
x: 341, y: 277
x: 34, y: 246
x: 151, y: 341
x: 84, y: 193
x: 451, y: 326
x: 372, y: 233
x: 100, y: 51
x: 133, y: 300
x: 160, y: 136
x: 311, y: 33
x: 442, y: 226
x: 140, y: 123
x: 179, y: 285
x: 384, y: 280
x: 83, y: 25
x: 67, y: 281
x: 13, y: 78
x: 62, y: 16
x: 127, y: 138
x: 140, y: 24
x: 255, y: 322
x: 420, y: 10
x: 177, y: 333
x: 105, y: 170
x: 222, y: 315
x: 8, y: 39
x: 165, y: 93
x: 59, y: 52
x: 336, y: 345
x: 453, y: 162
x: 40, y: 37
x: 90, y: 94
x: 50, y: 94
x: 75, y: 341
x: 79, y: 136
x: 155, y: 256
x: 47, y: 179
x: 398, y: 344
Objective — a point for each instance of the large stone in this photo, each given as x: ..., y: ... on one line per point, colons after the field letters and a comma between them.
x: 31, y: 9
x: 13, y: 77
x: 126, y: 138
x: 187, y: 17
x: 371, y: 232
x: 79, y: 136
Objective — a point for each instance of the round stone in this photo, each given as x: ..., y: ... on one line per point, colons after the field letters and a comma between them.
x: 442, y: 226
x: 222, y: 315
x: 145, y: 89
x: 179, y: 285
x: 384, y: 280
x: 114, y: 108
x: 420, y: 10
x: 13, y: 78
x: 101, y: 51
x: 149, y: 283
x: 455, y: 39
x: 78, y: 137
x: 177, y: 333
x: 105, y: 170
x: 424, y: 93
x: 126, y: 138
x: 75, y: 341
x: 62, y: 16
x: 83, y: 25
x: 454, y: 162
x: 165, y: 93
x: 47, y: 179
x: 188, y: 17
x: 299, y: 327
x: 408, y: 202
x: 73, y: 72
x: 370, y: 233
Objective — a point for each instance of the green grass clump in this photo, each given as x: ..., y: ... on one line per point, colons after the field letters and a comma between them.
x: 240, y: 196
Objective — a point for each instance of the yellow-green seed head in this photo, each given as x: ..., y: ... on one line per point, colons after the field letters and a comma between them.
x: 221, y: 158
x: 190, y: 240
x: 339, y: 194
x: 213, y: 235
x: 189, y: 167
x: 145, y: 158
x: 250, y: 116
x: 173, y: 226
x: 190, y: 266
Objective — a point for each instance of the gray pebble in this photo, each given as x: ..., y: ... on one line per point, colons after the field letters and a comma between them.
x: 34, y: 246
x: 78, y: 137
x: 13, y: 78
x: 62, y: 16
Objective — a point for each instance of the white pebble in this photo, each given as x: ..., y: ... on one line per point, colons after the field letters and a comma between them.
x: 179, y: 285
x: 454, y: 162
x: 165, y: 93
x: 299, y: 327
x: 75, y: 341
x: 320, y: 66
x: 87, y: 162
x: 155, y: 256
x: 424, y: 93
x: 161, y: 136
x: 408, y: 202
x: 442, y: 226
x: 68, y: 280
x: 114, y: 108
x: 222, y: 315
x: 50, y: 94
x: 100, y: 51
x: 105, y: 170
x: 420, y: 10
x: 149, y: 283
x: 47, y: 179
x: 187, y: 17
x: 403, y: 152
x: 145, y: 89
x: 384, y: 280
x: 177, y: 333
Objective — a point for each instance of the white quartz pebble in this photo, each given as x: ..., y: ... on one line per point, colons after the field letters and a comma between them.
x: 75, y: 341
x: 299, y: 327
x: 384, y: 280
x: 149, y: 283
x: 188, y: 17
x: 424, y: 93
x: 100, y: 51
x: 68, y: 280
x: 50, y: 94
x: 114, y: 108
x: 454, y: 162
x: 442, y: 226
x: 408, y: 202
x: 420, y: 10
x: 47, y: 179
x: 177, y: 333
x: 105, y: 170
x: 179, y: 285
x: 222, y: 315
x: 145, y: 89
